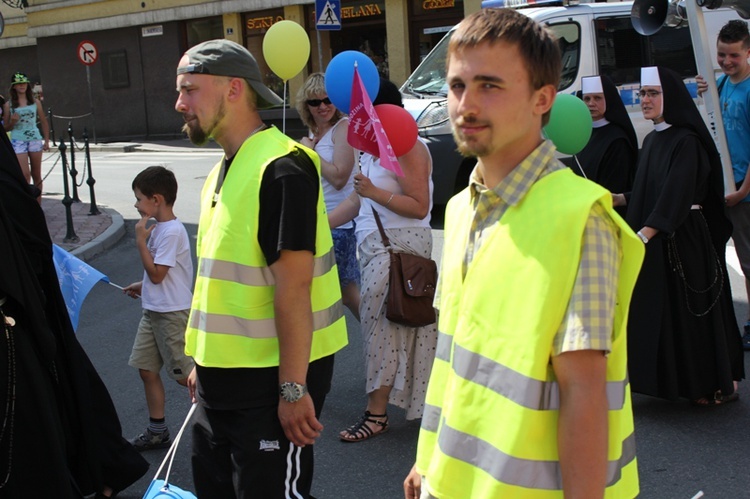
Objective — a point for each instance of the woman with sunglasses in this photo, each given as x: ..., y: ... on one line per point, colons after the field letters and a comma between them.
x: 327, y: 136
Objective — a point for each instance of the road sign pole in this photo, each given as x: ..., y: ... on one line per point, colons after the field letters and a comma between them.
x: 91, y: 102
x: 88, y: 54
x: 320, y: 52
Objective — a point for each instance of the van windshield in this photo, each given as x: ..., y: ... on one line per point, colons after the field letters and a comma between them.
x: 429, y: 77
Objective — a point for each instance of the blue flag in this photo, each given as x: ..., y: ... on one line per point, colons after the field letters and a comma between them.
x: 76, y: 280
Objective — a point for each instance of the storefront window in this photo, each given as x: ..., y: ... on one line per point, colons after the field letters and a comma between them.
x: 430, y: 20
x: 200, y: 30
x: 363, y: 29
x: 256, y: 24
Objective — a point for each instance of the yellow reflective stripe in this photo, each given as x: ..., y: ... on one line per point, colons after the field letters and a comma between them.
x: 256, y: 276
x: 524, y: 391
x: 443, y: 348
x: 257, y: 328
x: 529, y: 473
x: 431, y: 417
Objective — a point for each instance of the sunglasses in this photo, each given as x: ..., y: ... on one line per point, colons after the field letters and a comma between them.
x: 317, y: 102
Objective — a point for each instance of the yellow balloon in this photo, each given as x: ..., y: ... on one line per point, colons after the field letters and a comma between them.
x: 286, y: 48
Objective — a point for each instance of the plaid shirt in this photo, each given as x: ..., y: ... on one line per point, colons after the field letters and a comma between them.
x: 589, y: 318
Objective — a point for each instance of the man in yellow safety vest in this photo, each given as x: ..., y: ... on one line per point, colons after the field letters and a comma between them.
x: 266, y: 316
x: 529, y: 395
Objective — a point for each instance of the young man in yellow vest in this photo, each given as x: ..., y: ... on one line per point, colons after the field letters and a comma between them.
x: 528, y: 395
x: 266, y: 316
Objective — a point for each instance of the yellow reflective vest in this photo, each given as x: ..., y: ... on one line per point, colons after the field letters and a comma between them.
x: 490, y: 424
x: 231, y: 320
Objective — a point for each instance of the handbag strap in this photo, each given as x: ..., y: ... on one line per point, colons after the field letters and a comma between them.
x: 173, y: 448
x: 386, y: 241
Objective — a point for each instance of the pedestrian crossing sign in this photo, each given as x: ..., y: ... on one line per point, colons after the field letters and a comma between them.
x: 327, y: 15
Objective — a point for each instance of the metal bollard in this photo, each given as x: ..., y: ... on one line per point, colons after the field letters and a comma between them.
x: 51, y: 127
x: 73, y: 171
x: 70, y: 234
x: 94, y: 210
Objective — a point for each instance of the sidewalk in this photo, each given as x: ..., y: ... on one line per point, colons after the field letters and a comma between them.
x: 95, y: 233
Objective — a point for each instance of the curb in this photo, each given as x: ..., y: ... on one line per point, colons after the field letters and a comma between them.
x: 149, y: 147
x: 125, y: 147
x: 105, y: 240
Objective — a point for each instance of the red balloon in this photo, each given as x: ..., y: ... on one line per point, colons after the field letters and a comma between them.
x: 399, y: 126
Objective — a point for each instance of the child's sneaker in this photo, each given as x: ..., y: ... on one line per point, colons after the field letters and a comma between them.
x: 148, y: 440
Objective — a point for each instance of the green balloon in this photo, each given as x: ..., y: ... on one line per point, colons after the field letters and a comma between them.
x: 569, y: 126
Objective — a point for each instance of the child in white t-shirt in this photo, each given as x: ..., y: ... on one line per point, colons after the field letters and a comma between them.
x: 166, y: 296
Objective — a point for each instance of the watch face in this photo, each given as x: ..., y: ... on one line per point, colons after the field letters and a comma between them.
x: 292, y: 392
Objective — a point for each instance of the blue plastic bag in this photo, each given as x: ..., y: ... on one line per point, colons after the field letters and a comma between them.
x: 159, y: 489
x: 162, y: 489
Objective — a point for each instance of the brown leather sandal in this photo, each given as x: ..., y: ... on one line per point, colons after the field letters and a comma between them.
x: 361, y: 431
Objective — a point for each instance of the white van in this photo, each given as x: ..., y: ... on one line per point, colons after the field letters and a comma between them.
x: 595, y: 38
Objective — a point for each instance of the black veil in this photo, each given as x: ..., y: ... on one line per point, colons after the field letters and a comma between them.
x: 67, y: 439
x: 680, y: 110
x: 616, y: 112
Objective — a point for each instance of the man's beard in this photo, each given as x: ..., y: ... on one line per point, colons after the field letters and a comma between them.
x: 197, y: 134
x: 467, y: 150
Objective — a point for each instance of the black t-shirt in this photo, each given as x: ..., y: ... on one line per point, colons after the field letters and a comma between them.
x: 287, y: 215
x: 287, y: 220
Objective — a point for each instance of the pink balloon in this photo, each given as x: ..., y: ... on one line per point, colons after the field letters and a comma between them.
x: 399, y: 126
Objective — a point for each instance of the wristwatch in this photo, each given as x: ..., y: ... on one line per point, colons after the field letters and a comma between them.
x: 292, y: 392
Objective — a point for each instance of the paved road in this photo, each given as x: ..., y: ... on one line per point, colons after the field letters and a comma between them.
x: 681, y: 449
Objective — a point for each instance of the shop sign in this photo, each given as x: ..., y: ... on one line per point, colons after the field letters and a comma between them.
x: 259, y: 23
x: 438, y: 4
x: 438, y: 29
x: 157, y: 30
x: 370, y: 9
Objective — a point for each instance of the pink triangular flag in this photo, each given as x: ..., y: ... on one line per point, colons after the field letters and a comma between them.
x: 365, y: 132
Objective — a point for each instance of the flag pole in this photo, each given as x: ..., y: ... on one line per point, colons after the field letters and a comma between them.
x: 120, y: 287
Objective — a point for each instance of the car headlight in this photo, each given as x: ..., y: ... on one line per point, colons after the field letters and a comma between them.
x: 434, y: 114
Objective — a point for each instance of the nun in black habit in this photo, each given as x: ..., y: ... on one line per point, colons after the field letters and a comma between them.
x: 60, y: 435
x: 610, y: 157
x: 683, y: 339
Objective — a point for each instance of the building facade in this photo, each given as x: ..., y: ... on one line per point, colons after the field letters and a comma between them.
x: 129, y: 91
